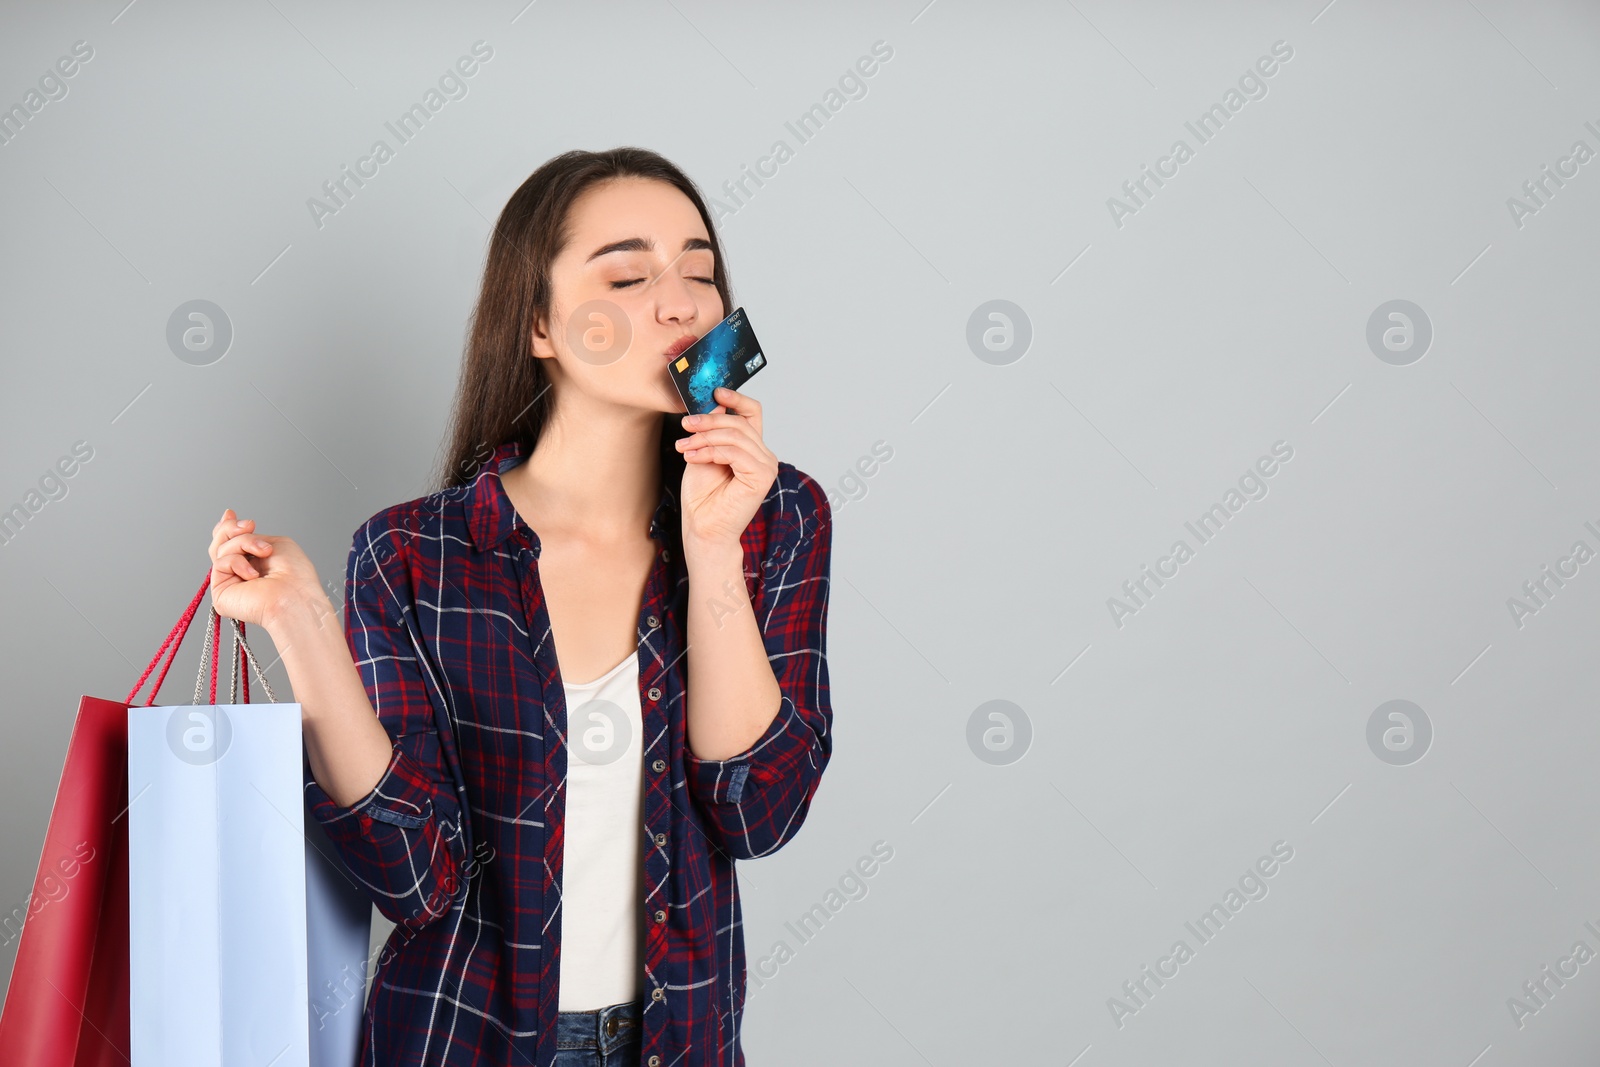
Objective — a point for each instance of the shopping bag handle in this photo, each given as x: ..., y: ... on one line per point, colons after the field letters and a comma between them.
x: 174, y: 639
x: 169, y: 649
x: 237, y: 658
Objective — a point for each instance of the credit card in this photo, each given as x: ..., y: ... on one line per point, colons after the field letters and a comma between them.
x: 726, y: 356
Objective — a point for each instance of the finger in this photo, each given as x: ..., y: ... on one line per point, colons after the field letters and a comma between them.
x: 737, y: 402
x: 740, y: 404
x: 230, y: 520
x: 231, y: 524
x: 717, y: 435
x: 722, y: 435
x: 723, y: 455
x: 743, y: 437
x: 216, y: 530
x: 733, y: 399
x: 706, y: 420
x: 711, y: 427
x: 245, y: 544
x: 234, y: 566
x: 736, y: 455
x: 240, y: 557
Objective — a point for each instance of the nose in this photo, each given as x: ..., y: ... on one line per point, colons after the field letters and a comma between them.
x: 675, y: 303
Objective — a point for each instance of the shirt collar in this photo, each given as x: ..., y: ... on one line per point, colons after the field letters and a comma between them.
x: 491, y: 518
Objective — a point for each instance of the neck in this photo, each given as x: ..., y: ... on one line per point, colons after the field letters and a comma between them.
x: 595, y: 472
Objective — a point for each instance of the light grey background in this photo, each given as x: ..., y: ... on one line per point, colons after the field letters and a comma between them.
x: 1229, y: 313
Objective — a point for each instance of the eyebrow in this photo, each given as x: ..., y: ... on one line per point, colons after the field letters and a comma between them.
x: 647, y: 244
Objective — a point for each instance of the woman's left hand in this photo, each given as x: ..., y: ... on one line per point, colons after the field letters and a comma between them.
x: 728, y: 473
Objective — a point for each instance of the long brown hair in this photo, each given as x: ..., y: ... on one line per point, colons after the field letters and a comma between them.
x: 503, y: 393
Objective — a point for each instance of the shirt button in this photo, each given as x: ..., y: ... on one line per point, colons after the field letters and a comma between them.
x: 661, y: 916
x: 659, y: 765
x: 666, y: 553
x: 655, y: 1061
x: 661, y: 839
x: 653, y: 621
x: 654, y: 693
x: 657, y: 994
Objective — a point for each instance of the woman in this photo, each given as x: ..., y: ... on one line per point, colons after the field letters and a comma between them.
x: 554, y: 840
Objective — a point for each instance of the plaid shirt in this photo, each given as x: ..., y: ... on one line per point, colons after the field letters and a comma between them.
x: 460, y: 842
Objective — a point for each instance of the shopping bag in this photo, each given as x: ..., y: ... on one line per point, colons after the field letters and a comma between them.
x: 248, y: 938
x: 67, y: 1004
x: 62, y: 1007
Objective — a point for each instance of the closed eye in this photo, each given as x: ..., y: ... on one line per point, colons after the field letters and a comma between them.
x: 635, y: 281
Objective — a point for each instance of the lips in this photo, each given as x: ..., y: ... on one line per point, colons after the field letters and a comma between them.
x: 677, y: 347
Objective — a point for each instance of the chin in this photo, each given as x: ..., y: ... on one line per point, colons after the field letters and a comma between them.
x: 668, y: 400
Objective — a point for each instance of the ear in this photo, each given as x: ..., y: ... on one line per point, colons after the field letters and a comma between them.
x: 539, y: 337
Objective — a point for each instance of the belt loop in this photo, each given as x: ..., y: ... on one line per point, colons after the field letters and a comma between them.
x: 618, y: 1024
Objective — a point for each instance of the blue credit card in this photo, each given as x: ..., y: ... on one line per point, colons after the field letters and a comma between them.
x: 726, y: 356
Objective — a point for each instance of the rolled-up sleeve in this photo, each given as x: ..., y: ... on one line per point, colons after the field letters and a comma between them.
x: 757, y: 800
x: 403, y: 840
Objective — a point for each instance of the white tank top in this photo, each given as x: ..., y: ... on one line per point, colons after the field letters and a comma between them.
x: 602, y: 938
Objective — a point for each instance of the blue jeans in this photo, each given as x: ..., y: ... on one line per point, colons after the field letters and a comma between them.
x: 603, y: 1037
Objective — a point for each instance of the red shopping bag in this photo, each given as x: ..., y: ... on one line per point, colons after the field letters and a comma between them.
x: 67, y: 1005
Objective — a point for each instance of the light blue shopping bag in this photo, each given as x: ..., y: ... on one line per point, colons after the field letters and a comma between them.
x: 248, y: 939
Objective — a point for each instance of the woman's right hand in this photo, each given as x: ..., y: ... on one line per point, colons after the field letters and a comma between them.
x: 255, y: 578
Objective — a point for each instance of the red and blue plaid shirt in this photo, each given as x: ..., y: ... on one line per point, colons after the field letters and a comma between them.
x: 460, y: 842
